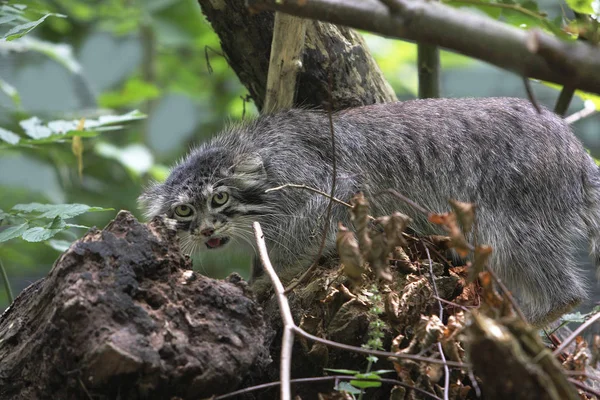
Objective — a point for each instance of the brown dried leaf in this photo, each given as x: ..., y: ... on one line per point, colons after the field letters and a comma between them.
x: 465, y: 213
x: 482, y: 254
x: 347, y: 247
x: 402, y: 261
x: 450, y: 224
x: 360, y: 220
x: 394, y: 226
x: 490, y: 296
x: 595, y: 351
x: 378, y: 255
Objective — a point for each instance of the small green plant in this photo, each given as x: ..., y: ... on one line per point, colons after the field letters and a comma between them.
x: 367, y: 379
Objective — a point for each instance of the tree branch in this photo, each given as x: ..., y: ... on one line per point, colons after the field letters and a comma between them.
x: 527, y: 53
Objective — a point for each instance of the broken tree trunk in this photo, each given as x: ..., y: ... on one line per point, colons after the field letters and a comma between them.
x: 330, y: 50
x: 121, y: 314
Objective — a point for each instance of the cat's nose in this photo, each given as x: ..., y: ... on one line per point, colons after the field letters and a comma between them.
x: 207, y: 231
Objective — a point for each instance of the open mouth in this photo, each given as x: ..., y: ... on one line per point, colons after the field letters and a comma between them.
x: 215, y: 243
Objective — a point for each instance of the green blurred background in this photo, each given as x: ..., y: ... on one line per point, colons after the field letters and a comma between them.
x: 162, y: 58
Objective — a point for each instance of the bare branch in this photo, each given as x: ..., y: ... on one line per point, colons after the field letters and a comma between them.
x: 564, y: 99
x: 589, y: 108
x: 439, y: 344
x: 576, y: 333
x: 310, y: 189
x: 288, y: 321
x: 325, y: 379
x: 530, y: 95
x: 428, y: 63
x: 527, y: 53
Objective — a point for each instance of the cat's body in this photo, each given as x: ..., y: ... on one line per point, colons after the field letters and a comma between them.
x: 537, y: 190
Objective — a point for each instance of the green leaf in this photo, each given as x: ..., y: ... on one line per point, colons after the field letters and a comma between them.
x: 59, y: 130
x: 342, y: 371
x: 581, y: 6
x: 39, y: 233
x: 9, y: 137
x: 64, y: 211
x: 13, y: 232
x: 366, y: 384
x: 23, y: 29
x: 134, y: 92
x: 347, y: 387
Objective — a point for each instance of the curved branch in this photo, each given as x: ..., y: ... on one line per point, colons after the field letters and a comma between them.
x: 528, y: 53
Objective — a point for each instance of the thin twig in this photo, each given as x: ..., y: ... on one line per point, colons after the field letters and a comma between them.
x: 378, y: 353
x: 408, y: 201
x: 7, y: 288
x: 474, y: 383
x: 576, y: 333
x: 284, y: 308
x: 564, y: 99
x: 585, y: 388
x: 589, y: 108
x: 507, y: 294
x: 311, y: 189
x: 327, y: 221
x: 440, y: 349
x: 451, y: 303
x: 325, y: 379
x: 530, y: 95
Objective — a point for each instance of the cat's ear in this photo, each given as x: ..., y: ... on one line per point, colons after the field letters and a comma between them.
x: 249, y: 168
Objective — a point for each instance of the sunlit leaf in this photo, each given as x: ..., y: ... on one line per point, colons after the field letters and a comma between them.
x: 581, y: 6
x: 58, y: 130
x: 366, y: 384
x: 23, y: 29
x: 64, y: 211
x: 9, y: 137
x: 34, y: 129
x: 13, y: 231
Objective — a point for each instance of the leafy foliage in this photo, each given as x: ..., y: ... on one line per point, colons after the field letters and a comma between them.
x: 30, y: 221
x: 13, y: 16
x: 59, y: 130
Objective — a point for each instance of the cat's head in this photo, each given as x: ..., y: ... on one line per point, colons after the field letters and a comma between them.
x: 213, y: 195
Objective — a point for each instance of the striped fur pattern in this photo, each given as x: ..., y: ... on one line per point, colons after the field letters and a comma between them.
x: 537, y: 190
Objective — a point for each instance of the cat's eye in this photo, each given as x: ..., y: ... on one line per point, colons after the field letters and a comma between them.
x: 184, y: 211
x: 219, y: 199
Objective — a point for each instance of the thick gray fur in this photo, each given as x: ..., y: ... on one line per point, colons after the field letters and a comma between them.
x: 537, y: 190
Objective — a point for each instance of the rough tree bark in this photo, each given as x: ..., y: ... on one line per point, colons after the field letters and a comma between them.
x: 122, y: 315
x: 329, y: 50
